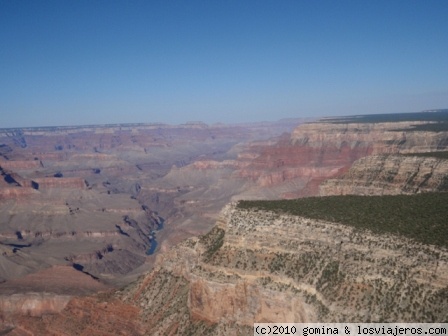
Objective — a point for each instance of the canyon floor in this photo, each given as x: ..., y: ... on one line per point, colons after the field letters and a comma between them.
x: 150, y: 218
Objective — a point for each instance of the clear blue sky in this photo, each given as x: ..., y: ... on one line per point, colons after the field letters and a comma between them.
x: 83, y: 62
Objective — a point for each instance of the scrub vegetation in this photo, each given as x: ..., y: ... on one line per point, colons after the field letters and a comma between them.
x: 437, y: 120
x: 421, y: 217
x: 440, y: 116
x: 437, y: 155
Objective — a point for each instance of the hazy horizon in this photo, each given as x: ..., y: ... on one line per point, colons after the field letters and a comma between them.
x: 110, y: 62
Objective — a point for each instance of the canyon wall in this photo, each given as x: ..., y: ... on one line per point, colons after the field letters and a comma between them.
x: 321, y: 150
x: 20, y: 164
x: 260, y: 266
x: 33, y: 304
x: 390, y: 175
x: 266, y: 267
x: 59, y: 182
x: 16, y: 193
x: 382, y: 137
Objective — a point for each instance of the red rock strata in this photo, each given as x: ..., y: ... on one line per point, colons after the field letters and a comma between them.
x: 16, y: 193
x: 22, y: 164
x: 83, y: 316
x: 56, y: 182
x: 291, y: 158
x: 315, y: 152
x: 59, y: 279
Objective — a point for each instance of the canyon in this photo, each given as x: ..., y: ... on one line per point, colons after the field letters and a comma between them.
x: 100, y: 201
x: 153, y: 210
x: 266, y: 267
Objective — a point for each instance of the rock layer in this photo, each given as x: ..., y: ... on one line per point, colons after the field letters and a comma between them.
x: 318, y: 151
x: 390, y: 175
x: 33, y: 304
x: 318, y: 271
x: 265, y: 267
x: 55, y: 182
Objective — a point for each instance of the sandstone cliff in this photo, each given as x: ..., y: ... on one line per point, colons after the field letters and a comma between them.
x: 42, y: 294
x: 32, y: 304
x: 20, y: 164
x: 318, y: 151
x: 390, y: 175
x: 382, y: 137
x: 266, y: 267
x: 56, y: 182
x: 17, y: 193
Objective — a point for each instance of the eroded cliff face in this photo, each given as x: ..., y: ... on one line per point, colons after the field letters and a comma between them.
x: 385, y: 137
x: 26, y: 301
x: 318, y: 151
x: 266, y: 267
x: 390, y: 175
x: 33, y: 304
x: 20, y: 164
x: 258, y: 266
x: 100, y: 315
x: 16, y: 193
x: 55, y: 182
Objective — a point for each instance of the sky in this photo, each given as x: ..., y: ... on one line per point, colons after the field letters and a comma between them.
x: 95, y: 62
